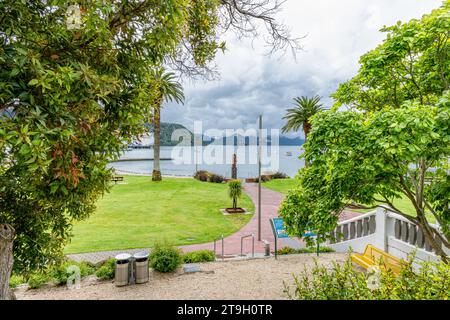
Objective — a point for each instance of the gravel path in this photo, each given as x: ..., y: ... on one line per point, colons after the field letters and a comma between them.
x: 248, y: 279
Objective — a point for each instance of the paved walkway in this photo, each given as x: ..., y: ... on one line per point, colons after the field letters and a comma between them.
x: 271, y: 201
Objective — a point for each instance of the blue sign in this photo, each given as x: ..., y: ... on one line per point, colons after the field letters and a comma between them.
x: 280, y: 229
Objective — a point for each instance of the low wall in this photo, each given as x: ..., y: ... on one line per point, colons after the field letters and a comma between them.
x: 385, y: 230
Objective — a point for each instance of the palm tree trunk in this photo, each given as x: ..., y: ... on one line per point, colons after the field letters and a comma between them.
x: 6, y: 261
x: 306, y: 130
x: 156, y: 175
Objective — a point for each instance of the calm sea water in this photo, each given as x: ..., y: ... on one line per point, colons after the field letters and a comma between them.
x: 184, y: 161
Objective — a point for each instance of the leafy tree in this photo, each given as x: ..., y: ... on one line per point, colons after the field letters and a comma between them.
x: 412, y: 64
x: 234, y: 191
x: 367, y: 159
x: 299, y: 116
x: 386, y: 151
x: 166, y: 88
x: 72, y: 96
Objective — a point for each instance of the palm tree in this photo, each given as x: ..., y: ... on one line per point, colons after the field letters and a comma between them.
x: 166, y: 89
x: 300, y: 115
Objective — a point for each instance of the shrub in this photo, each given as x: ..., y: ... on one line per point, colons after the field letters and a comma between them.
x: 264, y: 178
x: 343, y: 282
x: 60, y: 274
x: 199, y: 256
x: 234, y: 191
x: 201, y: 175
x: 106, y: 270
x: 15, y: 281
x: 165, y: 258
x: 36, y: 280
x: 215, y: 178
x: 279, y: 175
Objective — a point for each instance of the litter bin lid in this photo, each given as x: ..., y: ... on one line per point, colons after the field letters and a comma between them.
x: 141, y: 255
x: 123, y: 256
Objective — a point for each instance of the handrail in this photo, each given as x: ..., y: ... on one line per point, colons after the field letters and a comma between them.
x: 394, y: 215
x: 361, y: 217
x: 253, y: 244
x: 220, y: 238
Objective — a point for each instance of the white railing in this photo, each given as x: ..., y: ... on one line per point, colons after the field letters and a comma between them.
x: 386, y: 230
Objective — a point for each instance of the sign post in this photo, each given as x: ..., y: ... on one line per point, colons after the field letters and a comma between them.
x: 279, y: 231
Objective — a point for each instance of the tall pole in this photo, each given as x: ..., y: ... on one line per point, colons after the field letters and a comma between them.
x: 259, y: 176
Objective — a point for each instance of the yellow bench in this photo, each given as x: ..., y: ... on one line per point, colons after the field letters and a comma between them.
x: 373, y: 256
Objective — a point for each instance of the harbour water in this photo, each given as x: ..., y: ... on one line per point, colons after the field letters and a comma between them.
x: 185, y: 161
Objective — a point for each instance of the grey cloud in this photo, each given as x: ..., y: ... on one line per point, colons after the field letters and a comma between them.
x: 339, y: 32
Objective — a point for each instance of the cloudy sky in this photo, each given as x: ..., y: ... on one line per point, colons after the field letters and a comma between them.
x: 252, y: 83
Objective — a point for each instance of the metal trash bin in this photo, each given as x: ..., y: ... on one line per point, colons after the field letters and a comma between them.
x: 141, y: 267
x: 266, y: 248
x: 122, y: 269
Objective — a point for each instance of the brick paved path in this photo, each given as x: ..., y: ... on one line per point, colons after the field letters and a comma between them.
x: 270, y: 202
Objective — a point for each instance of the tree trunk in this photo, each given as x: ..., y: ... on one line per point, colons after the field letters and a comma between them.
x: 6, y: 260
x: 429, y: 236
x: 156, y: 176
x: 306, y: 130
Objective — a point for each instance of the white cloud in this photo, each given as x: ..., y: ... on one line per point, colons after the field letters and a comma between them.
x: 338, y: 33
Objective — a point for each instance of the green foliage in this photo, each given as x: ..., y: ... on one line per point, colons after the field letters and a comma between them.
x: 343, y: 282
x: 72, y: 99
x: 201, y: 175
x: 280, y: 175
x: 366, y: 159
x: 38, y: 279
x: 299, y: 116
x: 234, y: 191
x: 412, y: 64
x: 16, y: 280
x: 199, y: 256
x: 289, y: 250
x: 165, y: 258
x: 61, y: 273
x: 107, y: 270
x: 215, y: 178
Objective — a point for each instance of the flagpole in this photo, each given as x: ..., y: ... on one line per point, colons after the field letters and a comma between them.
x: 259, y: 177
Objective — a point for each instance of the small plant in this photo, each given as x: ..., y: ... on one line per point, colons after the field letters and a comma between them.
x: 199, y: 256
x: 60, y: 274
x: 106, y: 270
x: 165, y: 258
x: 37, y: 280
x: 264, y: 178
x: 343, y: 282
x: 234, y: 191
x: 16, y: 280
x: 201, y: 175
x: 215, y: 178
x: 279, y: 175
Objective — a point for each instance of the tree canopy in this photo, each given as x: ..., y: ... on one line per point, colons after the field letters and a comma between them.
x: 412, y: 64
x: 74, y: 93
x: 400, y: 139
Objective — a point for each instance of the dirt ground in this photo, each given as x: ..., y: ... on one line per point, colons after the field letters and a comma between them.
x: 249, y: 279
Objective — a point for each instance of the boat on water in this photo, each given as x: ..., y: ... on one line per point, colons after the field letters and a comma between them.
x: 289, y: 154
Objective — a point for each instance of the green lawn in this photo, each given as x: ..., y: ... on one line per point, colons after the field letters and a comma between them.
x: 280, y: 185
x: 284, y: 185
x: 140, y: 212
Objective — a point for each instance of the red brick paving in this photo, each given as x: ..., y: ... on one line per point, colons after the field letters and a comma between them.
x: 270, y: 203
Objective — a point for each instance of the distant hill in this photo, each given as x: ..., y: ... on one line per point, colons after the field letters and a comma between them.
x: 167, y: 130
